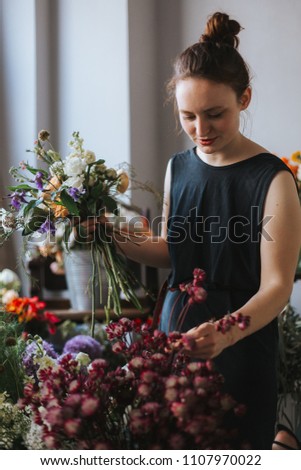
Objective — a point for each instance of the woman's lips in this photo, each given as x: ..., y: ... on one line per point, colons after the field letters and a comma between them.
x: 206, y: 142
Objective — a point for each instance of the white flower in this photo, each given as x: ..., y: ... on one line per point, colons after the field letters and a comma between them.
x: 75, y: 182
x: 9, y: 279
x: 57, y: 169
x: 89, y: 156
x: 45, y: 362
x: 9, y: 295
x: 74, y: 166
x: 83, y: 359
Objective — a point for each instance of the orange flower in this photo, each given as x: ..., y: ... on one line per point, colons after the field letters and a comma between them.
x: 53, y: 185
x: 59, y: 211
x: 123, y: 183
x: 296, y: 156
x: 31, y: 308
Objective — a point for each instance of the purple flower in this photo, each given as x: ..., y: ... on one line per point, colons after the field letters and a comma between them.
x: 85, y: 344
x: 47, y: 226
x: 39, y: 180
x: 30, y: 353
x: 75, y: 193
x: 17, y: 199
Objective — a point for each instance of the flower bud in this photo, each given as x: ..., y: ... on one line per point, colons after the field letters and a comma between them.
x: 43, y: 135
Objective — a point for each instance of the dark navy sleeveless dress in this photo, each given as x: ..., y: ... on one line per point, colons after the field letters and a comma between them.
x: 215, y: 223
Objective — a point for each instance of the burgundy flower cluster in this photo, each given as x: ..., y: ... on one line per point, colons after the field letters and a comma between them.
x: 158, y: 400
x: 225, y: 324
x: 194, y: 289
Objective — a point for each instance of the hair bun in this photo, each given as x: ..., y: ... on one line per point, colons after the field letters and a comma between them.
x: 221, y: 30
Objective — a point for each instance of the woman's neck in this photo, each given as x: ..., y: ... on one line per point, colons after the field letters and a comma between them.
x: 242, y: 149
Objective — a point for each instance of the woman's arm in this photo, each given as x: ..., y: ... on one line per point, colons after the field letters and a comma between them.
x: 279, y: 252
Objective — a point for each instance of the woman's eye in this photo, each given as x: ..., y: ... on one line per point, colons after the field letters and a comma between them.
x: 188, y: 118
x: 215, y: 116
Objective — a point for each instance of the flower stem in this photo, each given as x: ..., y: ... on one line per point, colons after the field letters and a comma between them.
x: 93, y: 289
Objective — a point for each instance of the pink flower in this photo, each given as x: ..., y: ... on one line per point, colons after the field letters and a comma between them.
x: 118, y: 347
x: 89, y: 406
x: 50, y: 441
x: 72, y: 426
x: 171, y: 381
x: 73, y: 400
x: 136, y: 363
x: 171, y: 394
x: 148, y: 376
x: 144, y: 390
x: 54, y: 416
x: 179, y: 409
x: 75, y: 386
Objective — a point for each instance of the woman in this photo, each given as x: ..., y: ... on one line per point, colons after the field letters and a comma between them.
x: 231, y: 208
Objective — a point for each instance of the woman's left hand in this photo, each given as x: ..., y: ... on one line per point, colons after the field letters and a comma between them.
x: 208, y: 342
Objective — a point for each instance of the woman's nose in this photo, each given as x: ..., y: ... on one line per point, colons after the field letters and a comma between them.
x: 202, y: 127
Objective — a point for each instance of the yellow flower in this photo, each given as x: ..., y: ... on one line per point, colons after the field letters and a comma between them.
x: 296, y: 156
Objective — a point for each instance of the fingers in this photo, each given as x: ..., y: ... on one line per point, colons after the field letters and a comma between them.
x: 206, y: 342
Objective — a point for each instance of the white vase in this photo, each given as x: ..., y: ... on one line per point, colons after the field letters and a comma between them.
x: 78, y: 271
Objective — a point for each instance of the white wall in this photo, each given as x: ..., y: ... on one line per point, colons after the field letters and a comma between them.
x: 17, y: 101
x: 92, y: 79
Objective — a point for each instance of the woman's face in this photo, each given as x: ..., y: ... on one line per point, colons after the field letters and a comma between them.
x: 209, y: 114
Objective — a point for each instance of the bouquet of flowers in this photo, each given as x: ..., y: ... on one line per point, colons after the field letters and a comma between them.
x: 67, y: 192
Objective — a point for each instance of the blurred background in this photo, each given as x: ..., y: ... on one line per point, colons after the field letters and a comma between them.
x: 100, y: 67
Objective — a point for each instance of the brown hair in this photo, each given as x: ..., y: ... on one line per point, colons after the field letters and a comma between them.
x: 215, y: 57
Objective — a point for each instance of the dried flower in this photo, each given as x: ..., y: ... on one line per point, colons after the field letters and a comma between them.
x: 43, y: 135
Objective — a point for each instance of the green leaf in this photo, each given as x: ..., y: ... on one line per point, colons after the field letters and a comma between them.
x: 23, y: 186
x: 110, y: 204
x: 31, y: 204
x: 34, y: 171
x: 33, y: 220
x: 98, y: 162
x: 91, y: 206
x: 96, y: 191
x: 69, y: 203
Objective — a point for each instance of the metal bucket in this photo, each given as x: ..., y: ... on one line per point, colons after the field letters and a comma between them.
x: 78, y: 271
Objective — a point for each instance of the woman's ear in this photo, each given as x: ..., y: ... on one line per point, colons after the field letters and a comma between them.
x: 245, y: 98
